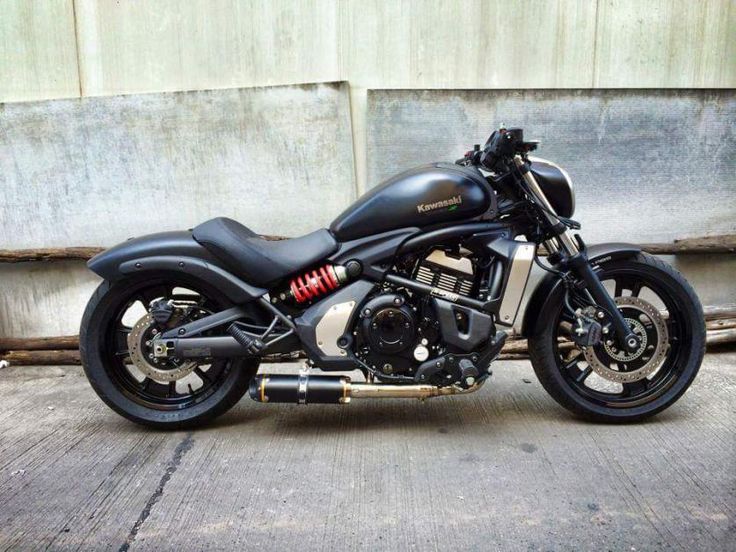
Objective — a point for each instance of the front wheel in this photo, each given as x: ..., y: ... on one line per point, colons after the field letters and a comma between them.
x: 115, y: 344
x: 604, y: 383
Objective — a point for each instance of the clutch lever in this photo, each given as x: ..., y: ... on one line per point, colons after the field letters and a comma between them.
x: 471, y: 157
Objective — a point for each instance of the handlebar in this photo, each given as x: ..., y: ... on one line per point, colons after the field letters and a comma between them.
x: 500, y: 147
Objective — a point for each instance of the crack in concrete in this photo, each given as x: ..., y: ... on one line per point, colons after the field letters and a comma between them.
x: 179, y: 452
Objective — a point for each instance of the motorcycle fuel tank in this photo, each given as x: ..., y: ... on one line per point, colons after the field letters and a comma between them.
x: 422, y: 196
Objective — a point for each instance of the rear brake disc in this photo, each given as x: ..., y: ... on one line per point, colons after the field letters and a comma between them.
x: 164, y: 370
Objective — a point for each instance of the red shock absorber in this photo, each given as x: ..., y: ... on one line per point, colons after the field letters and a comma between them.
x: 317, y: 282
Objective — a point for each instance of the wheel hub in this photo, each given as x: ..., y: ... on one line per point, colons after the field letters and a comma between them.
x: 623, y: 356
x: 140, y: 347
x: 617, y: 365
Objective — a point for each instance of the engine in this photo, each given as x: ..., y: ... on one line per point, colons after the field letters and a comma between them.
x: 450, y: 273
x: 390, y: 336
x: 399, y: 332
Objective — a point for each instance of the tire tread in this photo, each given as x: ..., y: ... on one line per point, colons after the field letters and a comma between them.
x: 98, y: 378
x: 544, y: 364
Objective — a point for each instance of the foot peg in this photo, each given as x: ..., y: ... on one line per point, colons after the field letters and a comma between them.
x: 468, y: 372
x: 251, y: 344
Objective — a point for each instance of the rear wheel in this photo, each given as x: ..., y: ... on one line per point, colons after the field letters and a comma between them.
x: 603, y: 383
x: 115, y: 343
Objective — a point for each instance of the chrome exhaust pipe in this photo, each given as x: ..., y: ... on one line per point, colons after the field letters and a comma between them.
x: 305, y: 388
x: 420, y: 391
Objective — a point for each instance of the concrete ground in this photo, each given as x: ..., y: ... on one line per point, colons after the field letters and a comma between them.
x: 505, y: 468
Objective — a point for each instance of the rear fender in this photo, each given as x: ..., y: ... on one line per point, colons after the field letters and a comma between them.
x: 548, y: 287
x: 171, y: 252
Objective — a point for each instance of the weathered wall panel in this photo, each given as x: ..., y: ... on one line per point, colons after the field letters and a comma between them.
x: 471, y: 44
x: 475, y: 44
x: 44, y: 299
x: 96, y: 171
x: 99, y: 170
x: 38, y: 56
x: 201, y: 44
x: 666, y: 44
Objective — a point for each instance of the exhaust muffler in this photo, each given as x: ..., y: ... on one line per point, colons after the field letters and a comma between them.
x: 305, y: 389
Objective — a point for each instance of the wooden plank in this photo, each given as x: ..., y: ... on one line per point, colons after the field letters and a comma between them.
x: 66, y: 253
x: 39, y: 343
x: 725, y: 324
x: 42, y: 358
x: 698, y: 246
x: 720, y: 312
x: 49, y: 254
x: 720, y: 337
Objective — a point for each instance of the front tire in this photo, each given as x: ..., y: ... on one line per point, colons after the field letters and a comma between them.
x: 149, y: 400
x: 566, y: 376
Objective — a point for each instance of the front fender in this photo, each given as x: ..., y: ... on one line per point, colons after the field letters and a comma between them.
x: 597, y: 255
x: 171, y: 252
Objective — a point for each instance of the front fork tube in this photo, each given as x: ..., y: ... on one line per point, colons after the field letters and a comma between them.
x: 578, y: 261
x: 581, y: 267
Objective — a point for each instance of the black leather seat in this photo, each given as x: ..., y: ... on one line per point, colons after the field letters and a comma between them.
x: 262, y: 262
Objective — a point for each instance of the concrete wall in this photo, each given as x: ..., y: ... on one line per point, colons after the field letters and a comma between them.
x: 62, y: 48
x: 96, y: 171
x: 670, y: 153
x: 134, y: 46
x: 38, y: 50
x: 44, y: 299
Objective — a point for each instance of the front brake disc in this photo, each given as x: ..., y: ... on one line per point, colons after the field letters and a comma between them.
x: 649, y: 325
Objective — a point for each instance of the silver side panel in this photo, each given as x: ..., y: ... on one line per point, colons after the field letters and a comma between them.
x: 332, y: 326
x: 521, y: 266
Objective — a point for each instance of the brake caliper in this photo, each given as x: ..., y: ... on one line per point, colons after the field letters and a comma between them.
x: 162, y: 310
x: 587, y: 331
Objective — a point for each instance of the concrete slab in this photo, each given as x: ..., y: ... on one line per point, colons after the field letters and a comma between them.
x: 41, y: 299
x: 503, y: 469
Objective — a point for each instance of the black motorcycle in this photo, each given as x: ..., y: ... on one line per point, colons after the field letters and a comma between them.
x: 410, y: 286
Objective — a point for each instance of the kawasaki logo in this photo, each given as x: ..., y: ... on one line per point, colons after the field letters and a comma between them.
x: 452, y: 203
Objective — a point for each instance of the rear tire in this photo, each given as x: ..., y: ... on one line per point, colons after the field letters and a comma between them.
x: 684, y: 357
x: 105, y: 374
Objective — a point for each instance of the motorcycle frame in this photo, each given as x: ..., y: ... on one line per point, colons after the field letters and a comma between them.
x: 177, y: 252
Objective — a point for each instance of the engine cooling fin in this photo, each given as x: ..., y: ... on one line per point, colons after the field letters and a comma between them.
x: 453, y: 274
